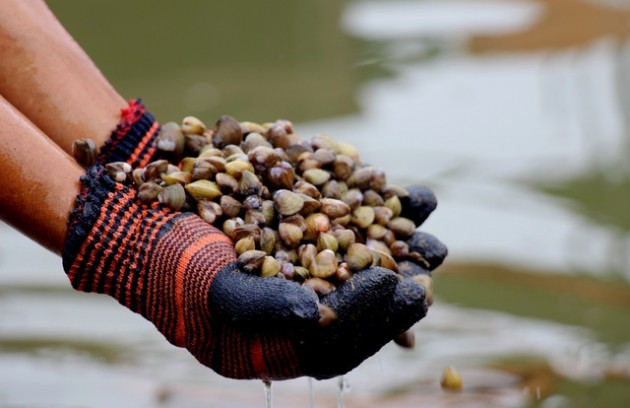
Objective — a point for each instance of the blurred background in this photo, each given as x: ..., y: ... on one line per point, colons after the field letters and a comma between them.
x: 516, y: 113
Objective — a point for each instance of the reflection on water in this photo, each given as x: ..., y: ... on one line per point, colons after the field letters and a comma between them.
x: 516, y: 113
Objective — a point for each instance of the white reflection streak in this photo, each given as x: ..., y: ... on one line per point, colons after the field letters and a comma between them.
x: 482, y: 123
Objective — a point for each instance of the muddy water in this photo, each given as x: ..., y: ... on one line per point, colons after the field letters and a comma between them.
x: 517, y: 119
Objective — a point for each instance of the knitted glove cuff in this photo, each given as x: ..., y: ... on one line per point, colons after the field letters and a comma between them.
x: 133, y: 139
x: 96, y: 185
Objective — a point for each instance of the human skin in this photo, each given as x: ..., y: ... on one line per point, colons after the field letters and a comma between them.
x: 39, y: 180
x: 48, y: 77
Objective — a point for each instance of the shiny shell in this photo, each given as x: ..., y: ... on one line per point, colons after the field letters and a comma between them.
x: 451, y: 380
x: 149, y: 191
x: 316, y: 177
x: 325, y: 264
x: 173, y: 196
x: 227, y: 131
x: 320, y: 286
x: 334, y: 208
x: 84, y: 152
x: 287, y: 202
x: 402, y: 227
x: 193, y: 126
x: 290, y: 234
x: 209, y: 211
x: 358, y: 257
x: 252, y: 261
x: 270, y: 267
x: 203, y: 190
x: 363, y: 216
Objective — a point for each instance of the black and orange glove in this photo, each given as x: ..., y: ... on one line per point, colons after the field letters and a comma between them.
x: 133, y: 140
x: 181, y: 274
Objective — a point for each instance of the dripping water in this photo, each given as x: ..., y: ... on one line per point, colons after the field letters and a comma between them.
x: 344, y: 386
x: 311, y: 393
x: 268, y: 394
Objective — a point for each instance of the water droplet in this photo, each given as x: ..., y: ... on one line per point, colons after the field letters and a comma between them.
x: 344, y: 386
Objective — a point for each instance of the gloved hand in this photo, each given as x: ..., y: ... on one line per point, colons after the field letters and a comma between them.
x: 181, y: 274
x: 429, y: 251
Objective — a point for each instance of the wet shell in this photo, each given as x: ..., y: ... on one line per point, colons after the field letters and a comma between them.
x: 326, y: 314
x: 307, y: 189
x: 372, y: 198
x: 237, y: 167
x: 180, y: 177
x: 331, y: 189
x: 451, y: 380
x: 353, y: 198
x: 251, y: 127
x: 363, y: 216
x: 344, y: 238
x: 252, y: 261
x: 343, y: 167
x: 306, y: 254
x: 254, y: 140
x: 358, y: 257
x: 245, y: 244
x: 327, y: 241
x: 427, y: 282
x: 393, y: 203
x: 84, y: 152
x: 227, y: 183
x: 264, y: 155
x: 386, y: 261
x: 316, y: 177
x: 324, y: 156
x: 325, y: 264
x: 203, y: 190
x: 227, y: 131
x: 149, y: 191
x: 382, y: 215
x: 281, y: 176
x: 119, y: 171
x: 400, y: 249
x: 194, y: 143
x: 287, y: 202
x: 154, y: 170
x: 343, y: 272
x: 209, y: 211
x: 290, y: 234
x: 320, y: 286
x: 268, y: 240
x: 310, y: 205
x: 173, y: 196
x: 230, y: 206
x: 270, y: 267
x: 334, y: 208
x: 193, y: 126
x: 249, y: 184
x: 402, y: 227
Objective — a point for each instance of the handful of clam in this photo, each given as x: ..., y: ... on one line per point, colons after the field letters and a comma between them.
x: 305, y: 210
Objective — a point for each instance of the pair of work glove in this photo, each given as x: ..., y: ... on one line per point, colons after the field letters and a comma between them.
x: 181, y: 274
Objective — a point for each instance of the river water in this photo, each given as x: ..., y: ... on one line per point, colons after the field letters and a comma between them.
x: 514, y: 112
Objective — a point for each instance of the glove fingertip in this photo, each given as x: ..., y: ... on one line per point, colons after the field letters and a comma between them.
x: 419, y: 204
x: 432, y: 250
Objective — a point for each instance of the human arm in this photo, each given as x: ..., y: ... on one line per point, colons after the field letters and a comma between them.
x: 48, y: 77
x: 39, y: 180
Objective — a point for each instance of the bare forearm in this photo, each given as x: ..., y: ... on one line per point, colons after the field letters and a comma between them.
x: 39, y: 180
x: 48, y: 77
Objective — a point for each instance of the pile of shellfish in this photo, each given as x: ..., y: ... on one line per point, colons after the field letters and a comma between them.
x: 305, y: 210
